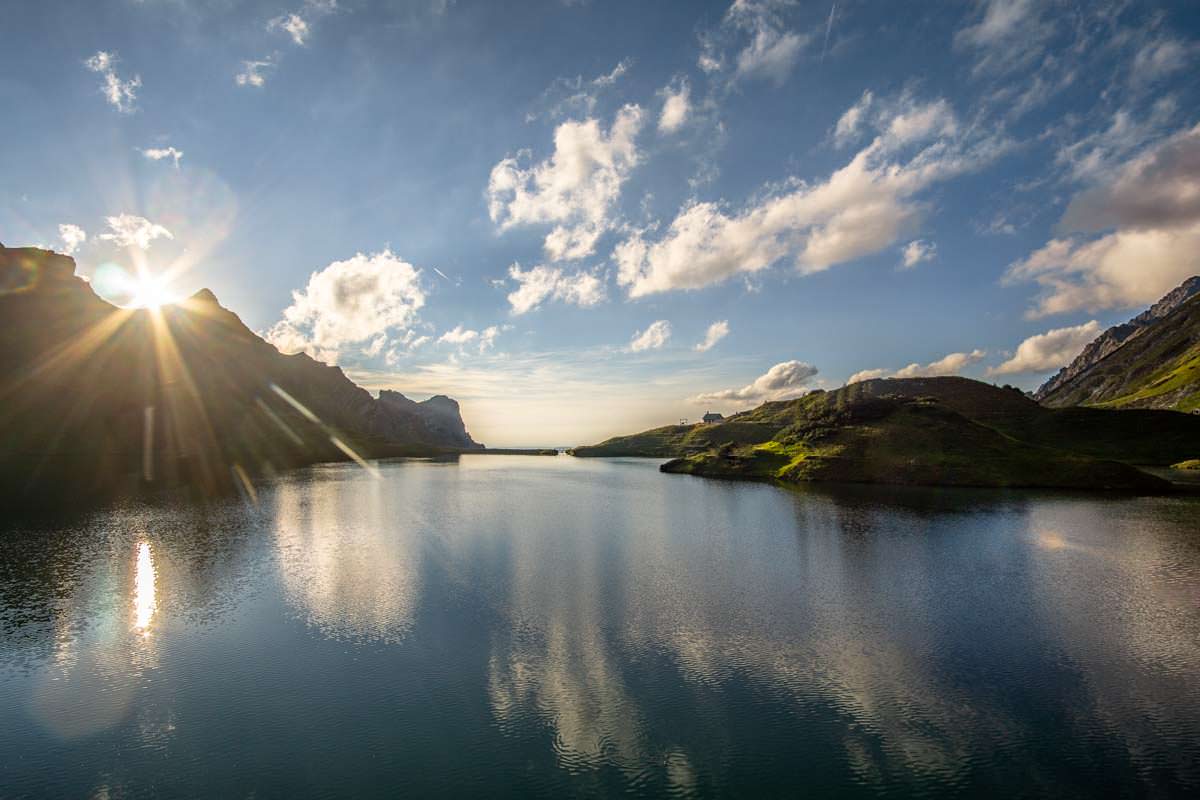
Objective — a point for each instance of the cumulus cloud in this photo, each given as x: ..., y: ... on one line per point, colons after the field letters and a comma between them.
x: 130, y: 230
x: 484, y: 339
x: 950, y: 364
x: 252, y: 73
x: 160, y: 153
x: 917, y: 251
x: 715, y: 333
x: 653, y: 338
x: 488, y: 336
x: 459, y: 335
x: 676, y: 107
x: 783, y: 381
x: 121, y: 94
x: 1048, y: 351
x: 348, y: 303
x: 541, y: 283
x: 860, y: 209
x: 866, y: 375
x: 72, y: 237
x: 575, y: 189
x: 1151, y: 207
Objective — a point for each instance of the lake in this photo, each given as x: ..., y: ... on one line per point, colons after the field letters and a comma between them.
x: 520, y: 626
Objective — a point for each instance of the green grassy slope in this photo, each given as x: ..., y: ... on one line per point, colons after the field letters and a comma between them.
x: 1157, y: 368
x: 938, y: 431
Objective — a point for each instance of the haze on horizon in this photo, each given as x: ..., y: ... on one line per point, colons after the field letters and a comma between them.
x: 582, y: 218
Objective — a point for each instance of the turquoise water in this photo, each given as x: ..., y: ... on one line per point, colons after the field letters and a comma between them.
x: 520, y: 626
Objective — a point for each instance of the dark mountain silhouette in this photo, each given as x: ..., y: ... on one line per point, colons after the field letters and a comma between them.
x: 99, y: 399
x: 1151, y: 361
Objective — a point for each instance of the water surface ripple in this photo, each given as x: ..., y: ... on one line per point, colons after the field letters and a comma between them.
x: 518, y: 626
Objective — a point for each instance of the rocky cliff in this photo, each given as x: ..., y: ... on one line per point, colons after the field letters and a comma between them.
x: 1112, y: 339
x: 1152, y: 361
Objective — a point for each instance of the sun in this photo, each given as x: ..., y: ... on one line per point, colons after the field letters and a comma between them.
x: 150, y: 291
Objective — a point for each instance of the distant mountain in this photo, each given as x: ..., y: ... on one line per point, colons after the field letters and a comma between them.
x: 101, y: 399
x: 1152, y: 361
x: 924, y: 431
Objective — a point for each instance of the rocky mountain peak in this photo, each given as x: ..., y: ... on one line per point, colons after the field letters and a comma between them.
x: 1117, y: 336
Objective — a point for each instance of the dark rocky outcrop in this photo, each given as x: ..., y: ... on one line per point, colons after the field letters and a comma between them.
x: 103, y: 400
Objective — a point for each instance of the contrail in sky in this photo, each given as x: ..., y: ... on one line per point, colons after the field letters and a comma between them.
x: 828, y: 30
x: 444, y: 275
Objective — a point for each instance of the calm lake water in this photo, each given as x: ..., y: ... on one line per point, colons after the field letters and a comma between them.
x: 517, y: 626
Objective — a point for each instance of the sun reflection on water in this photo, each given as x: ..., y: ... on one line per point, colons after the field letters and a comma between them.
x: 144, y: 601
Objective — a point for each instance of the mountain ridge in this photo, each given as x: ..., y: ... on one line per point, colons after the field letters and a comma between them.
x: 1121, y: 360
x: 115, y: 400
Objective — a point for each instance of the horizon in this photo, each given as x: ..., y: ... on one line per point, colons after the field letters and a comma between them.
x: 581, y: 223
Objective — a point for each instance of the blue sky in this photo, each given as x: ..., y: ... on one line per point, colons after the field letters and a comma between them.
x: 586, y: 218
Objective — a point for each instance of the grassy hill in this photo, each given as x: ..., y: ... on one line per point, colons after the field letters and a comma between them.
x: 930, y: 431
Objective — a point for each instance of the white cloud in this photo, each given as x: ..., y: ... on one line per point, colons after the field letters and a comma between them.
x: 676, y: 107
x: 917, y: 251
x: 783, y: 381
x: 459, y: 335
x: 130, y: 230
x: 405, y: 344
x: 72, y: 237
x: 575, y: 190
x: 160, y: 153
x: 951, y: 364
x: 298, y: 24
x: 120, y: 94
x: 1010, y: 34
x: 1048, y: 351
x: 488, y: 336
x: 851, y: 123
x: 715, y: 333
x: 542, y: 283
x: 252, y: 73
x: 293, y: 25
x: 653, y: 338
x: 860, y: 209
x: 1152, y: 207
x: 350, y: 302
x: 577, y: 97
x: 866, y: 375
x: 764, y: 46
x: 1159, y: 58
x: 1100, y: 153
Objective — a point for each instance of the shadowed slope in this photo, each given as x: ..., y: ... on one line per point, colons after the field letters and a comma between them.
x: 938, y: 431
x: 109, y: 400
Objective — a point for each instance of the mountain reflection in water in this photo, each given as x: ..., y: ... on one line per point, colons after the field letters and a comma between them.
x: 558, y: 625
